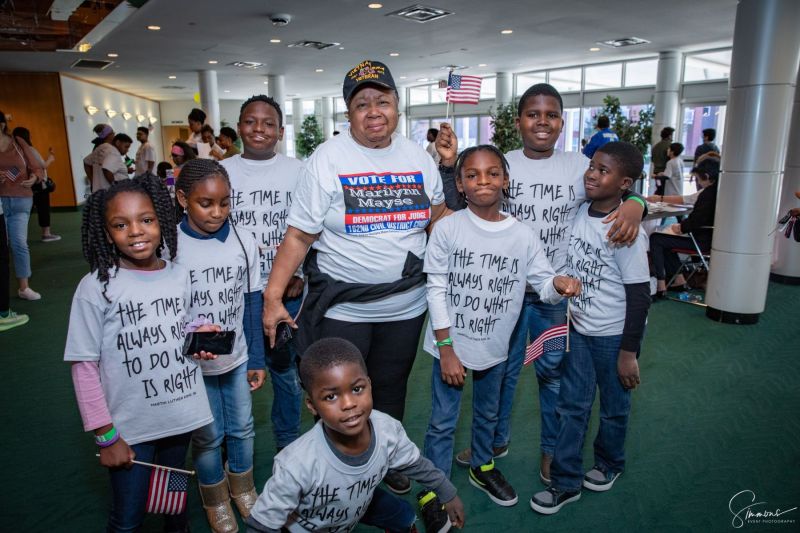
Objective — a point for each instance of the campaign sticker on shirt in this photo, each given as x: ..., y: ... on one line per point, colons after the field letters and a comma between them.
x: 389, y: 201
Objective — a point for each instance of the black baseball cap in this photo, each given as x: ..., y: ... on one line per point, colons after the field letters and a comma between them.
x: 367, y: 72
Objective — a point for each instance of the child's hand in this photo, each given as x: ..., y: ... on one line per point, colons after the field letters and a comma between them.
x: 453, y: 372
x: 203, y: 355
x: 117, y: 455
x: 294, y: 288
x: 447, y: 145
x: 628, y: 369
x: 567, y: 286
x: 455, y: 510
x: 627, y: 220
x: 256, y: 378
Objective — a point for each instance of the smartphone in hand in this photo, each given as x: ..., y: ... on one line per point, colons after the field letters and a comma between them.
x: 216, y: 342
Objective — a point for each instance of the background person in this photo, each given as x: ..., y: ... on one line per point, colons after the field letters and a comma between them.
x: 145, y: 155
x: 103, y: 155
x: 604, y: 135
x: 227, y: 139
x: 709, y: 134
x: 196, y: 118
x: 41, y: 194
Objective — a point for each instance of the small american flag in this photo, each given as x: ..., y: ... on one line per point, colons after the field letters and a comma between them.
x: 550, y: 340
x: 463, y: 89
x: 11, y: 173
x: 167, y: 493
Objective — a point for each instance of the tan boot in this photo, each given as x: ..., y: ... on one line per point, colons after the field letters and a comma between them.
x: 217, y: 503
x: 243, y: 491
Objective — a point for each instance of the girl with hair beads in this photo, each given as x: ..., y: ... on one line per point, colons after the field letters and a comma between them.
x: 478, y: 262
x: 223, y: 268
x: 135, y: 391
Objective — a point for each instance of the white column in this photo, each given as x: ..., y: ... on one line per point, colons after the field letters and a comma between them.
x: 297, y: 116
x: 402, y: 107
x: 327, y: 117
x: 209, y: 97
x: 504, y: 88
x: 766, y: 54
x: 277, y: 90
x: 786, y: 262
x: 667, y: 95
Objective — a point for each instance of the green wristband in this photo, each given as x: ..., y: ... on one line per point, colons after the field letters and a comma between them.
x: 446, y: 342
x: 110, y: 434
x: 638, y: 200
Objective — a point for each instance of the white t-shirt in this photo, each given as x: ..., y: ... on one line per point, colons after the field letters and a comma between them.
x: 603, y: 270
x: 261, y: 194
x: 371, y: 207
x: 144, y: 154
x: 487, y: 265
x: 674, y: 170
x: 152, y: 391
x: 311, y: 489
x: 106, y: 156
x: 218, y: 273
x: 545, y: 195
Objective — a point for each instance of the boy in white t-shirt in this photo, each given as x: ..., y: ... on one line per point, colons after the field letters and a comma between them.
x: 262, y: 185
x: 609, y: 318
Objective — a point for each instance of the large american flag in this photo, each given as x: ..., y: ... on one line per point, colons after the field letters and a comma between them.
x: 167, y: 493
x: 550, y: 340
x: 11, y: 173
x: 463, y: 89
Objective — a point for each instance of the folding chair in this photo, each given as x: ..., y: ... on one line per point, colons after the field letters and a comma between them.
x: 694, y: 261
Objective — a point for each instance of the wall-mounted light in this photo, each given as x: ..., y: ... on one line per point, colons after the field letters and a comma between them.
x: 84, y: 47
x: 153, y: 120
x: 126, y: 115
x: 140, y: 118
x: 91, y: 109
x: 110, y: 113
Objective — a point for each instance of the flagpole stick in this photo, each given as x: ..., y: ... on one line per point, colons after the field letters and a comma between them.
x: 171, y: 469
x: 569, y: 317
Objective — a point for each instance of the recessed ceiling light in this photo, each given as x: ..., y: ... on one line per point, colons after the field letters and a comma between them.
x: 112, y: 54
x: 275, y: 41
x: 374, y: 6
x: 507, y: 32
x: 594, y: 49
x: 482, y: 64
x: 422, y: 79
x: 403, y: 77
x: 172, y: 77
x: 227, y: 90
x: 266, y: 82
x: 341, y: 48
x: 154, y: 28
x: 213, y: 62
x: 319, y: 70
x: 394, y: 54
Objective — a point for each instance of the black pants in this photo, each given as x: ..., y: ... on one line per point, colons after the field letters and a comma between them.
x: 41, y: 201
x: 389, y: 349
x: 666, y: 262
x: 4, y: 265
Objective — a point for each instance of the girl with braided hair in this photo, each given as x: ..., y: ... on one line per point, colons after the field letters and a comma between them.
x: 136, y: 391
x: 223, y: 266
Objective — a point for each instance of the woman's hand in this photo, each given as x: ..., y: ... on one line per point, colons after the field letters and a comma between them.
x: 274, y: 313
x: 676, y: 229
x: 117, y: 455
x: 567, y: 286
x: 28, y: 183
x: 453, y: 372
x: 447, y: 145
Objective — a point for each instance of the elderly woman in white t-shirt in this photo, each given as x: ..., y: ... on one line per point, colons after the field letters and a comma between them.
x: 363, y: 204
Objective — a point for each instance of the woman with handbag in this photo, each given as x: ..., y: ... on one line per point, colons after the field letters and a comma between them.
x: 18, y: 172
x: 41, y: 189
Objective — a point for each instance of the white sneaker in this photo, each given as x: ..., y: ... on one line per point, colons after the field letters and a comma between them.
x: 29, y: 294
x: 51, y: 238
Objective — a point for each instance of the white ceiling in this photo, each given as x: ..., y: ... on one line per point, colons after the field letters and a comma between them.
x: 545, y: 34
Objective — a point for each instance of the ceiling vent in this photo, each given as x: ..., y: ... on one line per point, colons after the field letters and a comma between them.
x: 420, y: 13
x: 94, y: 64
x: 625, y: 41
x: 453, y: 67
x: 314, y: 45
x: 251, y: 65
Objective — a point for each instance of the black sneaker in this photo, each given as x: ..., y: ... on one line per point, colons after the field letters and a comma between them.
x: 397, y: 482
x: 434, y: 515
x: 550, y: 501
x: 491, y: 481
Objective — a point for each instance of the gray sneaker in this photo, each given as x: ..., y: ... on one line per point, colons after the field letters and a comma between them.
x: 598, y: 480
x: 550, y: 501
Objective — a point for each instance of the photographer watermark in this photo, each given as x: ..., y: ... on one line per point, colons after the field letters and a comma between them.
x: 747, y: 511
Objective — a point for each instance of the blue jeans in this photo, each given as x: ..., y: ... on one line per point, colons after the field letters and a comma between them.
x: 388, y: 512
x: 286, y: 391
x: 229, y: 399
x: 444, y: 415
x: 590, y: 364
x: 17, y: 212
x: 535, y: 317
x: 129, y: 487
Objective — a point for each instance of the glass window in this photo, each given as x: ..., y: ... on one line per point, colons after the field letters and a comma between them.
x: 466, y: 131
x: 570, y: 138
x: 639, y: 73
x: 438, y: 95
x: 287, y: 108
x: 528, y: 79
x: 288, y: 138
x: 566, y: 80
x: 339, y: 105
x: 603, y: 76
x: 707, y: 66
x: 418, y: 131
x: 488, y: 88
x: 695, y: 120
x: 341, y: 127
x: 486, y: 129
x: 308, y: 107
x: 418, y: 95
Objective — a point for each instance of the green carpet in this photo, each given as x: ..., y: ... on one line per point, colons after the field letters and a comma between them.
x: 717, y: 413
